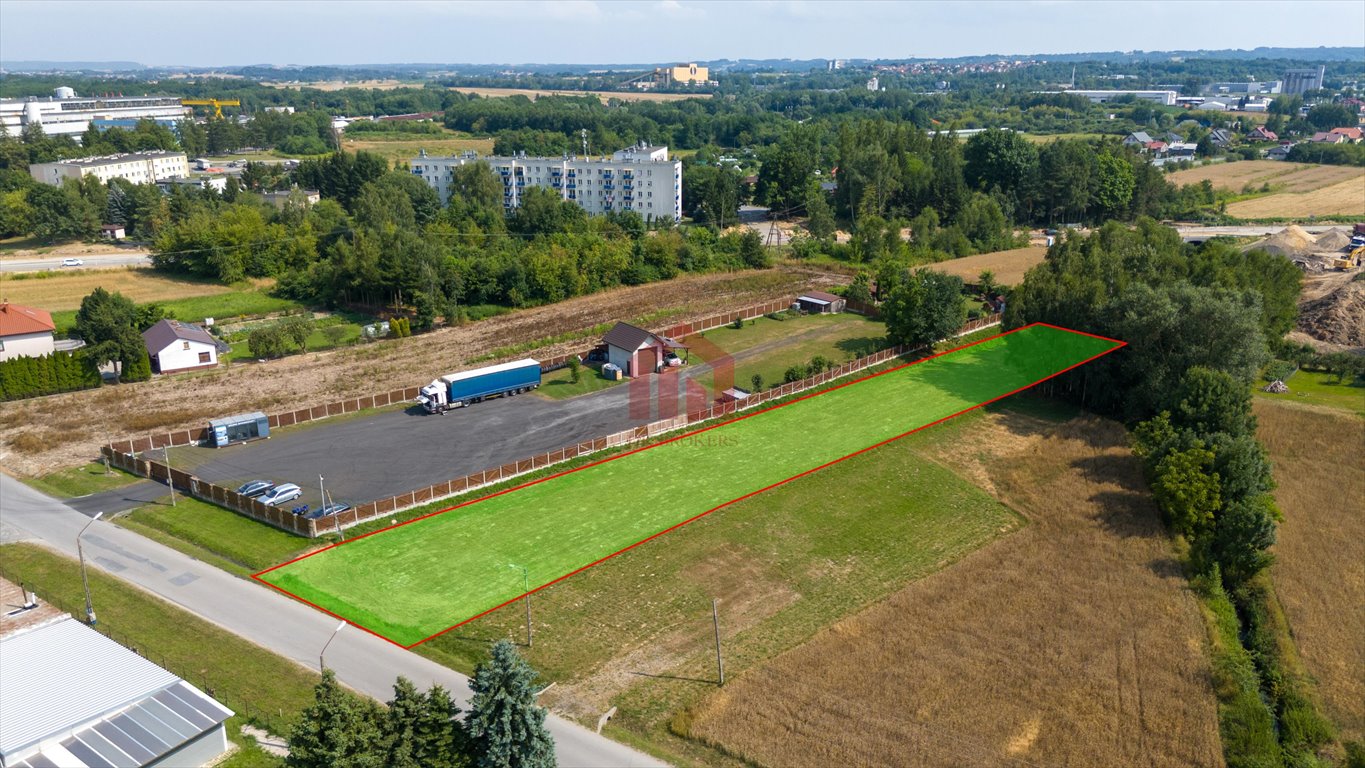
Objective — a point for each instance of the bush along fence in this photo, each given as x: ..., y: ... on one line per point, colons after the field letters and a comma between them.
x: 123, y: 454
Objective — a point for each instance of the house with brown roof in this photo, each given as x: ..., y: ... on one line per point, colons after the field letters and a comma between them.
x: 25, y: 331
x: 176, y: 347
x: 1353, y: 135
x: 1259, y: 133
x: 636, y: 351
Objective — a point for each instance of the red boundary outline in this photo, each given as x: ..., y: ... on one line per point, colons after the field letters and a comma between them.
x: 257, y: 576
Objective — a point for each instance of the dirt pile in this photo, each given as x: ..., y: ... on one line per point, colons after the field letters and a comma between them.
x: 1290, y: 242
x: 1333, y: 240
x: 1337, y: 316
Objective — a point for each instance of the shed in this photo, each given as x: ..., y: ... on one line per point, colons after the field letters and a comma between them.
x: 112, y: 231
x: 70, y: 696
x: 820, y: 303
x: 637, y: 351
x: 734, y: 394
x: 238, y: 429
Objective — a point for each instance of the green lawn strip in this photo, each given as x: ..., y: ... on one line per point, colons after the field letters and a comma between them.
x: 558, y: 384
x: 243, y: 675
x: 224, y: 538
x: 195, y: 308
x: 836, y: 344
x: 81, y: 481
x: 1320, y: 388
x: 412, y: 581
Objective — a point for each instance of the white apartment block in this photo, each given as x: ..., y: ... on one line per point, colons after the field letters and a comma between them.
x: 137, y: 167
x: 640, y: 179
x: 65, y: 114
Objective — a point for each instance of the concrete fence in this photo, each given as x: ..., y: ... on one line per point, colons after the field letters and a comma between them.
x: 122, y: 453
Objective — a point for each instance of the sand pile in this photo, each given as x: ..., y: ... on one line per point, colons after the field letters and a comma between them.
x: 1290, y: 242
x: 1333, y: 240
x: 1338, y: 317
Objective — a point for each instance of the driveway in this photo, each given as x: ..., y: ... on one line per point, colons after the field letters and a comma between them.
x: 362, y: 661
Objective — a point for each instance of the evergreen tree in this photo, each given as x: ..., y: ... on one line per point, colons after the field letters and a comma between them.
x: 423, y: 729
x: 338, y: 730
x: 506, y: 726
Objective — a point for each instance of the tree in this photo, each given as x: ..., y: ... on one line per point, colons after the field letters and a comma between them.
x: 137, y: 367
x: 1113, y: 186
x: 1208, y: 402
x: 1243, y: 534
x: 422, y: 730
x: 860, y: 290
x: 820, y: 217
x: 338, y: 730
x: 751, y: 250
x: 149, y: 315
x: 297, y: 329
x: 784, y: 178
x: 61, y: 213
x: 107, y: 322
x: 925, y: 307
x: 1325, y: 117
x: 756, y: 381
x: 267, y: 342
x: 1004, y: 160
x: 1187, y: 491
x: 506, y: 726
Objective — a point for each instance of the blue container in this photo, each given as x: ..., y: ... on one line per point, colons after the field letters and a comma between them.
x: 493, y: 380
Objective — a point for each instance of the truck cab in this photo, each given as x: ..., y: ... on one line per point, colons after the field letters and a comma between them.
x: 433, y: 398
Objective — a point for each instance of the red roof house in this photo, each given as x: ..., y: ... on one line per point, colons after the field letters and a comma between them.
x: 24, y: 331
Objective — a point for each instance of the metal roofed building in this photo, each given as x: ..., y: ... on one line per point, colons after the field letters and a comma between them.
x: 72, y: 697
x: 66, y: 114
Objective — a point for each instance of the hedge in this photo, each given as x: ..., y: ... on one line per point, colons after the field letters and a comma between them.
x: 24, y: 377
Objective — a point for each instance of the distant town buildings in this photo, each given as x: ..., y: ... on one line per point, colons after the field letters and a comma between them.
x: 689, y: 74
x: 1297, y: 81
x: 137, y: 167
x: 640, y: 178
x: 65, y: 114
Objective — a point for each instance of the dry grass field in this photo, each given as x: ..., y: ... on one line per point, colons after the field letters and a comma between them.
x: 1072, y: 642
x: 48, y: 433
x: 1345, y: 198
x: 1282, y: 177
x: 1009, y: 266
x: 534, y: 94
x: 65, y: 290
x: 336, y: 85
x: 1319, y: 571
x: 405, y: 148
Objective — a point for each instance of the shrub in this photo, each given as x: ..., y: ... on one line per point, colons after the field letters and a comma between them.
x: 266, y: 343
x: 757, y: 382
x: 575, y: 370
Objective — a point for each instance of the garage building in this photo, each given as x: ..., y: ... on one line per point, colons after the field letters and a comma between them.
x: 637, y: 351
x: 820, y: 303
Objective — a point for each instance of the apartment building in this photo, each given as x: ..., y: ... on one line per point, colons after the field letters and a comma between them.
x: 639, y: 178
x: 137, y: 167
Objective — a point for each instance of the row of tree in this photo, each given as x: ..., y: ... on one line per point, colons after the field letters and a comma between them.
x: 22, y: 377
x: 504, y: 727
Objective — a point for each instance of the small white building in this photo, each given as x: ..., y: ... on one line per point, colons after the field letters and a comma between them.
x: 137, y: 167
x: 70, y: 696
x: 24, y: 332
x: 216, y: 183
x: 176, y: 347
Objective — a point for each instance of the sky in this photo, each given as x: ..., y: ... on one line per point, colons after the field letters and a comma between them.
x: 240, y: 32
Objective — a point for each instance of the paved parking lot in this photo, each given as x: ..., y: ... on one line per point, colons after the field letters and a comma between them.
x: 376, y: 456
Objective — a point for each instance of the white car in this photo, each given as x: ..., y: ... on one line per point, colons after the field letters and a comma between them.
x: 72, y: 263
x: 281, y: 493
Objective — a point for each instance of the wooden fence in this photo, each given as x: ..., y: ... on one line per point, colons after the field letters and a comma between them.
x: 119, y: 454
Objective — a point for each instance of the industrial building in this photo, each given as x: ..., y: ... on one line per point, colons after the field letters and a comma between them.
x: 1165, y: 98
x: 1248, y: 88
x: 137, y: 167
x: 1297, y: 81
x: 65, y: 114
x: 69, y: 696
x: 639, y: 178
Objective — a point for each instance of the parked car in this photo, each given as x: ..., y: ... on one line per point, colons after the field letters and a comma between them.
x: 672, y: 360
x: 255, y: 488
x: 72, y: 263
x: 281, y: 493
x: 329, y: 509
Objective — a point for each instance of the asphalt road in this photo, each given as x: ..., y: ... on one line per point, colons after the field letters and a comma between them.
x: 364, y: 662
x: 374, y: 457
x: 91, y: 261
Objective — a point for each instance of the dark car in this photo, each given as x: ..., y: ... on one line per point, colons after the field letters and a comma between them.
x: 255, y: 488
x: 328, y: 510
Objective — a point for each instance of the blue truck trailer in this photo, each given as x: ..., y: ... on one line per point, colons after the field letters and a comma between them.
x: 460, y: 389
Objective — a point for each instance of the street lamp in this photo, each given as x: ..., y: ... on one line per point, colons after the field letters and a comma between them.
x: 85, y: 581
x: 322, y: 666
x: 526, y: 580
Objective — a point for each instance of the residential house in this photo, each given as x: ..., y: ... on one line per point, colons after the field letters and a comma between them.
x: 1279, y: 152
x: 1171, y: 137
x: 1259, y: 133
x: 24, y: 332
x: 1137, y: 138
x: 176, y: 347
x: 1353, y: 135
x: 1220, y: 137
x: 1324, y: 137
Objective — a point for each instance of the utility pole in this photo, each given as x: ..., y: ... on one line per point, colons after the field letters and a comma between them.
x: 526, y: 581
x: 85, y: 580
x: 322, y: 494
x: 322, y: 666
x: 715, y: 620
x: 166, y: 452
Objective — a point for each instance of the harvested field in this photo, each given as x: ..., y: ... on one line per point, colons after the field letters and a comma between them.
x: 534, y: 94
x: 1009, y: 266
x: 70, y: 427
x: 1281, y: 176
x: 64, y: 290
x: 1319, y: 570
x: 337, y: 85
x: 406, y: 147
x: 1345, y: 198
x: 1072, y: 642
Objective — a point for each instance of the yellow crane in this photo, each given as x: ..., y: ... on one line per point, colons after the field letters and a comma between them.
x: 217, y: 104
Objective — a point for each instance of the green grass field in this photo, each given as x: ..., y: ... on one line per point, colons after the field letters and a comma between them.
x: 418, y: 579
x: 1320, y: 388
